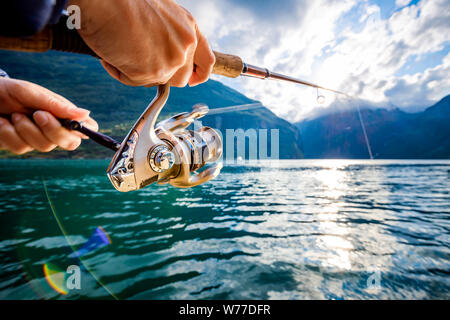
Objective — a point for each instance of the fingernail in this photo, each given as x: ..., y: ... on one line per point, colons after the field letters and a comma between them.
x: 16, y: 117
x: 41, y: 118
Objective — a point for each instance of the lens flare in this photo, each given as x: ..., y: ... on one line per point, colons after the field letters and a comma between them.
x: 64, y: 232
x: 98, y: 239
x: 55, y: 278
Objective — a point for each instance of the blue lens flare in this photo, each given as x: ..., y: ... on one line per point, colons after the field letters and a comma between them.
x: 98, y: 239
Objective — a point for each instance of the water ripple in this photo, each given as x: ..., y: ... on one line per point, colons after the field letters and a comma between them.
x: 286, y: 230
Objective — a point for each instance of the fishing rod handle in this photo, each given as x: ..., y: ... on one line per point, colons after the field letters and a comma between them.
x: 59, y: 37
x: 98, y: 137
x: 228, y: 65
x: 56, y: 37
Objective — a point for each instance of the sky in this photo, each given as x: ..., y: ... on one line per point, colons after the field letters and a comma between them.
x: 386, y: 53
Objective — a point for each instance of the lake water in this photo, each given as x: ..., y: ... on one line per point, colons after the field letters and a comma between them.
x: 293, y: 230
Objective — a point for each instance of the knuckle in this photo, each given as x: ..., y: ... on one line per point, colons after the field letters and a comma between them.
x: 161, y: 75
x: 19, y: 85
x: 5, y: 131
x: 13, y: 89
x: 135, y: 74
x: 178, y: 61
x: 203, y: 78
x: 180, y: 83
x: 21, y: 126
x: 139, y: 78
x: 211, y: 59
x: 19, y: 88
x: 52, y: 103
x: 15, y: 86
x: 20, y: 150
x: 187, y: 37
x: 46, y: 148
x: 188, y: 40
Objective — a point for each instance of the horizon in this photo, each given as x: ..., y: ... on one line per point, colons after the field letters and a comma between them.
x: 338, y: 106
x: 347, y: 107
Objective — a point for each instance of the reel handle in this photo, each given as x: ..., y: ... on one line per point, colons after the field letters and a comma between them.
x: 195, y: 179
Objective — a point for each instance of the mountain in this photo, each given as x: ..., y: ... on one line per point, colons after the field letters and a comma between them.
x: 82, y: 80
x: 393, y: 134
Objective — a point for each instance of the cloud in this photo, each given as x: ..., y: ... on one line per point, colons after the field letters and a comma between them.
x: 426, y: 87
x: 342, y: 44
x: 402, y: 3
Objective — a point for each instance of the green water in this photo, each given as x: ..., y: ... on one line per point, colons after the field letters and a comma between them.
x: 296, y: 230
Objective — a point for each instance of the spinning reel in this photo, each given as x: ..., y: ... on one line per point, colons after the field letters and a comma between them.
x: 166, y: 152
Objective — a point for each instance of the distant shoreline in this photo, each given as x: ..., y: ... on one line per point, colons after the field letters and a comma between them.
x: 244, y: 162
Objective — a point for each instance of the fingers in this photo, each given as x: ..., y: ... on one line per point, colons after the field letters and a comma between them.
x: 112, y: 71
x: 22, y: 135
x: 204, y: 60
x: 10, y: 140
x: 31, y: 134
x: 55, y: 132
x: 23, y: 95
x: 119, y: 76
x: 91, y: 124
x: 199, y: 64
x: 183, y: 74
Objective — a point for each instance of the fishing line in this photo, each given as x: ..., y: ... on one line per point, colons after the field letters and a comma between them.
x: 64, y: 232
x: 320, y: 100
x: 58, y: 37
x: 239, y: 107
x: 363, y: 126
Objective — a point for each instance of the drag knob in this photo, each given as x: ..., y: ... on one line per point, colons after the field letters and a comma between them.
x: 161, y: 159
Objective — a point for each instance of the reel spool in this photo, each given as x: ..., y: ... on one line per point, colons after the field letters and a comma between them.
x: 166, y: 152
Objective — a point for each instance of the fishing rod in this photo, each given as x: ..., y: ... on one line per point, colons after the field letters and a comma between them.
x: 164, y: 152
x: 58, y: 37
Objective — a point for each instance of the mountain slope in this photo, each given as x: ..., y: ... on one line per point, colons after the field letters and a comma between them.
x: 392, y: 134
x: 82, y: 80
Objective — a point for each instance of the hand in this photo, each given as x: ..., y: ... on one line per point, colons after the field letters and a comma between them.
x: 20, y: 134
x: 146, y: 42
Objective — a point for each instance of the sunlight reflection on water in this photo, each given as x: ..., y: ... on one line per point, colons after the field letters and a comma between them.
x: 294, y: 229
